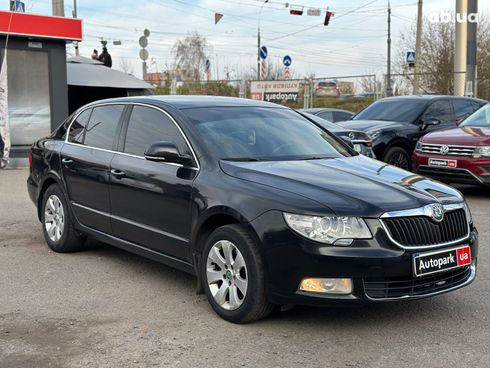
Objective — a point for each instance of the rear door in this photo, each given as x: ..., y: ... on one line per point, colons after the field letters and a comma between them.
x: 86, y: 159
x: 151, y: 200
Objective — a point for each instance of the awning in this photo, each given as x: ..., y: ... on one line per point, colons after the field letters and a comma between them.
x: 85, y: 72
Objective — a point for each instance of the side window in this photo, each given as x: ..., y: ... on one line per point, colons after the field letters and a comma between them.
x: 440, y: 110
x: 326, y: 115
x: 103, y: 126
x: 147, y: 126
x: 77, y: 130
x: 463, y: 109
x: 341, y: 116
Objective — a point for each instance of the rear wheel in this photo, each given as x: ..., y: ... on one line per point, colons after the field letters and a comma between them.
x: 57, y: 223
x: 399, y: 157
x: 233, y: 275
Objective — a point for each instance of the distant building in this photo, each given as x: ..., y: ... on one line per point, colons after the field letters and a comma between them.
x: 156, y: 79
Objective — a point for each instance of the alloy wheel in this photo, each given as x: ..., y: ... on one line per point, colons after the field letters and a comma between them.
x: 226, y: 273
x: 54, y: 218
x: 400, y: 160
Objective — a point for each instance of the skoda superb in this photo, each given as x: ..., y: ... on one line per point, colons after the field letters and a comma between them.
x: 261, y: 204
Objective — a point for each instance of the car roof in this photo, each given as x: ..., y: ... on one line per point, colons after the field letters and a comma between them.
x: 429, y: 98
x: 186, y: 102
x: 318, y: 109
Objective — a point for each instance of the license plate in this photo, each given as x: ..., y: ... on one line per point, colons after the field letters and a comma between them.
x: 440, y: 261
x: 357, y: 148
x: 443, y: 163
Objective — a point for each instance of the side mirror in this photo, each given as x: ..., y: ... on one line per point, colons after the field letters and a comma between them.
x: 428, y: 122
x: 347, y: 141
x: 166, y: 152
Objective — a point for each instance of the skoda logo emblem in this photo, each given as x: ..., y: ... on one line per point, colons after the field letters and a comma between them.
x: 437, y: 212
x: 352, y: 135
x: 444, y: 150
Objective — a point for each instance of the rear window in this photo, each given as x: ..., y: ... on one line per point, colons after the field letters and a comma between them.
x: 327, y: 84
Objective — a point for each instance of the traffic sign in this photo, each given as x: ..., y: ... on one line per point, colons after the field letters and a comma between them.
x: 144, y: 54
x: 287, y: 60
x: 17, y: 6
x: 146, y: 32
x: 263, y: 52
x: 411, y: 57
x: 143, y: 41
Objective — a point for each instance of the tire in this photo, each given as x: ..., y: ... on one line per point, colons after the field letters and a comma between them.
x: 243, y: 300
x: 399, y: 157
x: 57, y: 224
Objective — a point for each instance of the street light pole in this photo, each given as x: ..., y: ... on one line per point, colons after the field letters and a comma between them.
x: 389, y: 89
x: 74, y: 13
x: 258, y: 40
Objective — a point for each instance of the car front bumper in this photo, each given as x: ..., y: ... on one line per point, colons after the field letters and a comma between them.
x: 379, y: 269
x: 467, y: 170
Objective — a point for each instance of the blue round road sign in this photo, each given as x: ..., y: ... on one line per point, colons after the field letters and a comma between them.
x: 263, y: 52
x: 287, y: 60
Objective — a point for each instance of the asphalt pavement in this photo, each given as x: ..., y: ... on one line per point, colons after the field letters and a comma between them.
x: 104, y: 307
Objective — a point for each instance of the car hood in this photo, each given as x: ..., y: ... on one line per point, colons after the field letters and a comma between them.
x: 369, y: 125
x: 466, y: 136
x: 347, y: 186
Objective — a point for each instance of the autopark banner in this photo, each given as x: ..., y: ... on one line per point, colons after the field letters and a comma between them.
x: 274, y: 91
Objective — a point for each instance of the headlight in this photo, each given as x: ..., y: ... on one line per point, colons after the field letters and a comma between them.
x: 329, y: 229
x: 469, y: 217
x: 418, y: 146
x: 482, y: 151
x: 374, y: 134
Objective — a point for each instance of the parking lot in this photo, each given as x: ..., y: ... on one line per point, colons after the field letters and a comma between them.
x: 107, y: 308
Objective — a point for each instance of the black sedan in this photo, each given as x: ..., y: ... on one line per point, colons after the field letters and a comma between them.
x: 360, y: 141
x: 263, y: 215
x: 395, y: 124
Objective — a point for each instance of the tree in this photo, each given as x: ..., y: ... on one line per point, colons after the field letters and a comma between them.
x: 126, y: 66
x: 190, y: 55
x: 437, y: 57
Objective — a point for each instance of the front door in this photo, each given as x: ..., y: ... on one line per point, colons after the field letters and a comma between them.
x: 151, y: 200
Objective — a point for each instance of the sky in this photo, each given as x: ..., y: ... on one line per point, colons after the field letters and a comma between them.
x: 354, y: 43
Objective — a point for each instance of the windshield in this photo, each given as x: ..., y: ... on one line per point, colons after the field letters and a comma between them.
x: 262, y: 134
x: 481, y: 118
x: 403, y: 110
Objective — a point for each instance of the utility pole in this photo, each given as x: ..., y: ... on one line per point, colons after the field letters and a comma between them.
x: 418, y: 44
x: 58, y: 8
x: 74, y: 14
x: 258, y: 40
x: 460, y: 48
x: 471, y: 53
x: 389, y: 89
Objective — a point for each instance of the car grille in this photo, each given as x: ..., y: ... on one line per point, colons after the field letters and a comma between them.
x: 436, y: 149
x: 384, y: 288
x: 419, y: 231
x: 446, y: 174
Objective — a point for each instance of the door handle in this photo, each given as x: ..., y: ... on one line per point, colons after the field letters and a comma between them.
x: 118, y: 173
x: 67, y: 162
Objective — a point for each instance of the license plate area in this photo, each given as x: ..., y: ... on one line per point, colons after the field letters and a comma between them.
x: 357, y: 148
x: 436, y: 162
x: 440, y: 261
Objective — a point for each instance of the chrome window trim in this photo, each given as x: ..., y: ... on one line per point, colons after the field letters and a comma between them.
x: 470, y: 279
x: 422, y: 212
x: 128, y: 154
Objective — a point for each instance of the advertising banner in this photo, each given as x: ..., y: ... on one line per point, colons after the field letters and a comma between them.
x: 275, y: 91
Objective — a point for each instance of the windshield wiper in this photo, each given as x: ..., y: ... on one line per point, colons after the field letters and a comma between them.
x: 242, y: 159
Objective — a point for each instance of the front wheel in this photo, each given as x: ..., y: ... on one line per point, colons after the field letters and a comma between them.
x: 398, y: 157
x: 233, y: 275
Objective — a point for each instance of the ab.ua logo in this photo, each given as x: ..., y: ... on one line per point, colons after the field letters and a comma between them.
x: 452, y: 18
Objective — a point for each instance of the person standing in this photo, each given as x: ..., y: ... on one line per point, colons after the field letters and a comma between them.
x: 105, y: 57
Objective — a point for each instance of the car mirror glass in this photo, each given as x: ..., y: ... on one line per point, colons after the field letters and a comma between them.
x: 166, y: 151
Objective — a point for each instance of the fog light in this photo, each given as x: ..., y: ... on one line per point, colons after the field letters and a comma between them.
x: 327, y: 286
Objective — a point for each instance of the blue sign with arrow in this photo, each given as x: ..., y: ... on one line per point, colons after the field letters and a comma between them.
x: 263, y: 52
x: 287, y: 60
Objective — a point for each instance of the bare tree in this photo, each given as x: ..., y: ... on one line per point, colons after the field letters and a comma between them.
x: 126, y: 66
x: 190, y: 55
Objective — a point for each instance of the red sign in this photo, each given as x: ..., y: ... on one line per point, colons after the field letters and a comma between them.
x: 31, y: 25
x: 463, y: 256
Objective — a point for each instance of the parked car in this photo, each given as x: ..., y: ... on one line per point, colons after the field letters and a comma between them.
x: 458, y: 155
x: 360, y: 141
x: 327, y: 88
x: 262, y: 215
x: 332, y: 115
x: 395, y: 124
